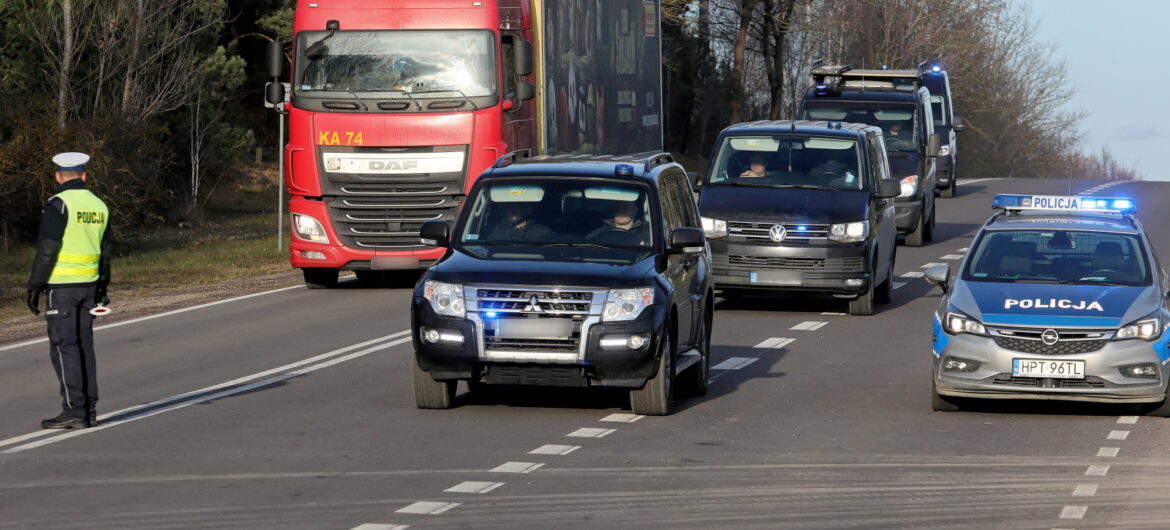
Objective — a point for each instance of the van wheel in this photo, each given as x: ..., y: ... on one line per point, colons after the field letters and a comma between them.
x: 950, y: 191
x: 654, y: 398
x: 915, y: 238
x: 431, y: 394
x: 320, y: 278
x: 941, y: 403
x: 928, y: 235
x: 863, y: 305
x: 885, y: 291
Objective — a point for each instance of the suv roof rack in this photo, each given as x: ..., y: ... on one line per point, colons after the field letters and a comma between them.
x: 512, y: 158
x: 656, y: 160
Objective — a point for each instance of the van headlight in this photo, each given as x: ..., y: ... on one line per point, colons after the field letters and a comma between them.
x: 714, y: 227
x: 849, y: 232
x: 309, y: 229
x: 959, y: 323
x: 445, y: 298
x: 944, y: 150
x: 909, y: 186
x: 626, y: 304
x: 1145, y: 329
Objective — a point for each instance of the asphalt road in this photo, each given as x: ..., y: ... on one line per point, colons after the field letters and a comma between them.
x: 293, y: 409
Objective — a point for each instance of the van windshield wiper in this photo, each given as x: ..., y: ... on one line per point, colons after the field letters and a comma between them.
x: 804, y: 187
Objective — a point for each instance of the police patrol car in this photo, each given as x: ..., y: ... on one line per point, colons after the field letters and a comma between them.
x: 1058, y: 298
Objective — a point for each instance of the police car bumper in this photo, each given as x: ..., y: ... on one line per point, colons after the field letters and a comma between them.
x: 906, y: 215
x: 831, y: 269
x: 977, y: 367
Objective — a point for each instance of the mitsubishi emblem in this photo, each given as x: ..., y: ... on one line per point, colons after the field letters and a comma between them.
x: 777, y: 233
x: 533, y: 306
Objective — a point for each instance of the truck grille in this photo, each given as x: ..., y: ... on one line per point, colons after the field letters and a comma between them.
x: 756, y: 263
x: 1028, y: 340
x: 811, y: 233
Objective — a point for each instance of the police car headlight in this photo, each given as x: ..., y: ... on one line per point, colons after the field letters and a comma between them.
x: 849, y: 232
x: 445, y: 298
x: 959, y: 323
x: 944, y: 150
x: 909, y: 186
x: 626, y: 304
x: 1145, y: 329
x: 309, y: 229
x: 714, y: 227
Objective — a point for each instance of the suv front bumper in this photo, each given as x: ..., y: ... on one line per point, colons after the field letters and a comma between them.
x: 825, y: 269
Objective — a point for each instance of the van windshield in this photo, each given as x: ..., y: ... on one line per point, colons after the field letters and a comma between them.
x: 898, y: 120
x: 788, y: 161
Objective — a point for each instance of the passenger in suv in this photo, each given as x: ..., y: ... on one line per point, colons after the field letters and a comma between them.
x: 615, y: 292
x: 823, y: 225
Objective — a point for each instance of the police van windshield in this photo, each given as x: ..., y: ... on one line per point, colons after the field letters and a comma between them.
x: 1058, y: 256
x: 898, y: 120
x: 420, y: 63
x: 788, y: 161
x: 938, y: 105
x: 561, y: 212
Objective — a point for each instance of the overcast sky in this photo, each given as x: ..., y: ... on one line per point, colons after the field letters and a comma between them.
x: 1118, y: 56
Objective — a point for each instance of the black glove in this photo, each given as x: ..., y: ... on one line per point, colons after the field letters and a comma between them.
x: 100, y: 296
x: 34, y: 301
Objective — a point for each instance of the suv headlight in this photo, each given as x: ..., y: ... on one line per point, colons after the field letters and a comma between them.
x: 1145, y: 329
x: 309, y: 229
x: 626, y: 304
x: 944, y: 150
x: 959, y: 323
x: 849, y: 232
x: 714, y: 227
x: 445, y: 298
x: 909, y: 186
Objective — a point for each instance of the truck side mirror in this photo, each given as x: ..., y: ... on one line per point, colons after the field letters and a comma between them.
x: 522, y: 54
x: 932, y: 144
x: 958, y: 124
x: 687, y: 240
x: 525, y: 91
x: 275, y: 60
x: 889, y: 188
x: 435, y: 233
x: 939, y: 275
x: 274, y: 93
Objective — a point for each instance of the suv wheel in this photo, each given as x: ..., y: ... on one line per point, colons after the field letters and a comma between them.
x: 654, y: 398
x: 700, y: 373
x: 431, y: 394
x: 320, y: 278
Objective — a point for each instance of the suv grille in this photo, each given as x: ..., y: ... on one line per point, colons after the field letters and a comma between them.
x: 811, y: 233
x: 518, y: 301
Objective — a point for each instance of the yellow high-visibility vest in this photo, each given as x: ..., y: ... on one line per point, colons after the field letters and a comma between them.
x: 81, y: 245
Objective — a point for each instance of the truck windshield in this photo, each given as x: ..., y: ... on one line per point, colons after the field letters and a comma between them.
x: 788, y: 161
x: 897, y: 120
x: 1058, y: 256
x: 561, y: 212
x: 438, y: 63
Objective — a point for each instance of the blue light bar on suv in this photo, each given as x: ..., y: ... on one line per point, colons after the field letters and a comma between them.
x: 1064, y: 203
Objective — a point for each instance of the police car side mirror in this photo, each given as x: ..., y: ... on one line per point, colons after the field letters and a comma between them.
x: 939, y: 275
x: 435, y: 233
x: 889, y: 188
x: 686, y: 240
x: 958, y: 124
x: 932, y: 144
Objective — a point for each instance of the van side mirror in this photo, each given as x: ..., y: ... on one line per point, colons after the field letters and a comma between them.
x: 939, y: 275
x: 932, y: 144
x: 275, y: 59
x: 958, y: 125
x: 687, y: 240
x: 889, y: 188
x: 522, y: 55
x: 435, y: 233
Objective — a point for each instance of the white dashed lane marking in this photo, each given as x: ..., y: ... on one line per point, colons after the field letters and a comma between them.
x: 1118, y: 435
x: 912, y: 274
x: 809, y: 326
x: 1085, y: 490
x: 898, y: 285
x: 551, y: 449
x: 775, y: 343
x: 964, y: 249
x: 832, y: 314
x: 1097, y: 471
x: 1108, y: 452
x: 473, y: 487
x: 931, y: 264
x: 1073, y: 512
x: 591, y: 432
x: 376, y: 526
x: 952, y: 256
x: 1130, y: 420
x: 734, y: 363
x: 623, y: 418
x: 428, y: 507
x: 517, y: 467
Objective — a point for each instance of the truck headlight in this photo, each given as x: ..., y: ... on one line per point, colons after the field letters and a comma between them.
x: 1145, y: 329
x: 445, y: 298
x: 960, y: 323
x: 714, y: 227
x: 308, y: 228
x: 909, y: 186
x: 944, y: 150
x: 626, y: 304
x: 849, y: 232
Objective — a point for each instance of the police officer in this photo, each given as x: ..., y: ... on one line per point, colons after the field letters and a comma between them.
x: 72, y: 266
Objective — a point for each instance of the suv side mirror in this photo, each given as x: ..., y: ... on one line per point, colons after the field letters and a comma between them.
x: 889, y: 188
x: 932, y: 144
x: 435, y: 233
x: 958, y: 125
x: 686, y: 240
x: 939, y: 275
x: 696, y: 179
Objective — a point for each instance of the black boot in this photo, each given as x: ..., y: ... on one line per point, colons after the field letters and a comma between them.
x: 91, y: 416
x: 65, y: 421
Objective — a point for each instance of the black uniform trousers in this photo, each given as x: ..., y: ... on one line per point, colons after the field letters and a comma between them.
x: 71, y: 346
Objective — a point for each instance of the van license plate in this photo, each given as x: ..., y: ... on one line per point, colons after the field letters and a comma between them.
x: 1048, y: 368
x: 776, y: 277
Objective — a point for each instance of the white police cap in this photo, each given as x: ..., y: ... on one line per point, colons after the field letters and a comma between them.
x: 71, y: 161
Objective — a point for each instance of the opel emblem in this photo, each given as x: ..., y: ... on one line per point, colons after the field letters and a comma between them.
x: 1050, y: 337
x: 533, y: 306
x: 777, y: 233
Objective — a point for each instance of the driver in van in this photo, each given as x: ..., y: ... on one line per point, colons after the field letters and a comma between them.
x: 757, y: 167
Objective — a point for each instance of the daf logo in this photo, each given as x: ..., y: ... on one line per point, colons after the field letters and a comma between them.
x: 777, y: 233
x: 393, y: 165
x: 1050, y: 337
x: 533, y: 306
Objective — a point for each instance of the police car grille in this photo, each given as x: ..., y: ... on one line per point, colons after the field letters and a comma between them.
x: 754, y: 263
x: 1062, y: 347
x: 737, y: 230
x: 1088, y: 382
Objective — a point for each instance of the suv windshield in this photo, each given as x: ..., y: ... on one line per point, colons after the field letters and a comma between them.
x: 788, y: 161
x: 417, y: 62
x: 1058, y: 256
x: 898, y: 120
x: 561, y: 212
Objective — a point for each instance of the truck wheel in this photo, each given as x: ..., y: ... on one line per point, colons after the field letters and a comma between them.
x: 369, y: 278
x: 863, y: 305
x: 915, y: 238
x: 320, y: 278
x: 431, y: 394
x: 700, y: 373
x: 941, y: 403
x: 654, y: 398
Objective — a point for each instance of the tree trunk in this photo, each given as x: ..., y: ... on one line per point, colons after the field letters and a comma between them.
x: 66, y: 63
x: 746, y: 8
x: 128, y: 84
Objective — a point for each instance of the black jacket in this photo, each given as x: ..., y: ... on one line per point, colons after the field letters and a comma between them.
x: 53, y: 220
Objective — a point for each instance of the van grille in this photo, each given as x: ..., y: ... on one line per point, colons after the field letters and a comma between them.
x: 745, y: 231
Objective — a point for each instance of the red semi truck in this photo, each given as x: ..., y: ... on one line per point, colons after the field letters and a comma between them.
x: 395, y: 106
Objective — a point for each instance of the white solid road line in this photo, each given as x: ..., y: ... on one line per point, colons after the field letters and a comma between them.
x: 159, y: 315
x: 211, y: 393
x: 376, y: 526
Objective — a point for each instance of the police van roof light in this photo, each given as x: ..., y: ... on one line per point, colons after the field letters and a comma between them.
x: 936, y: 69
x: 1064, y: 203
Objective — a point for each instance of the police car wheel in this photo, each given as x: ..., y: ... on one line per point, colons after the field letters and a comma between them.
x: 654, y: 398
x: 1159, y: 410
x: 941, y: 403
x: 431, y: 394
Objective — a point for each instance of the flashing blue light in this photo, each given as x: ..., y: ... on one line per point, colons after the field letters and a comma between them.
x: 822, y: 87
x: 490, y: 314
x: 1065, y: 203
x: 802, y: 228
x: 936, y: 69
x: 623, y: 169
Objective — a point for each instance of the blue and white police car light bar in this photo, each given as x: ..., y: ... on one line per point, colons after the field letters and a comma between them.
x: 1064, y: 203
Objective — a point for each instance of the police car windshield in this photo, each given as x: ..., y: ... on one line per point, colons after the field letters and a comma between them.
x: 1058, y: 256
x: 785, y: 161
x: 562, y: 212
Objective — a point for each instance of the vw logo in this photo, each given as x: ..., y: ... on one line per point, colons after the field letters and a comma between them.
x: 777, y: 233
x: 1050, y: 337
x: 533, y: 306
